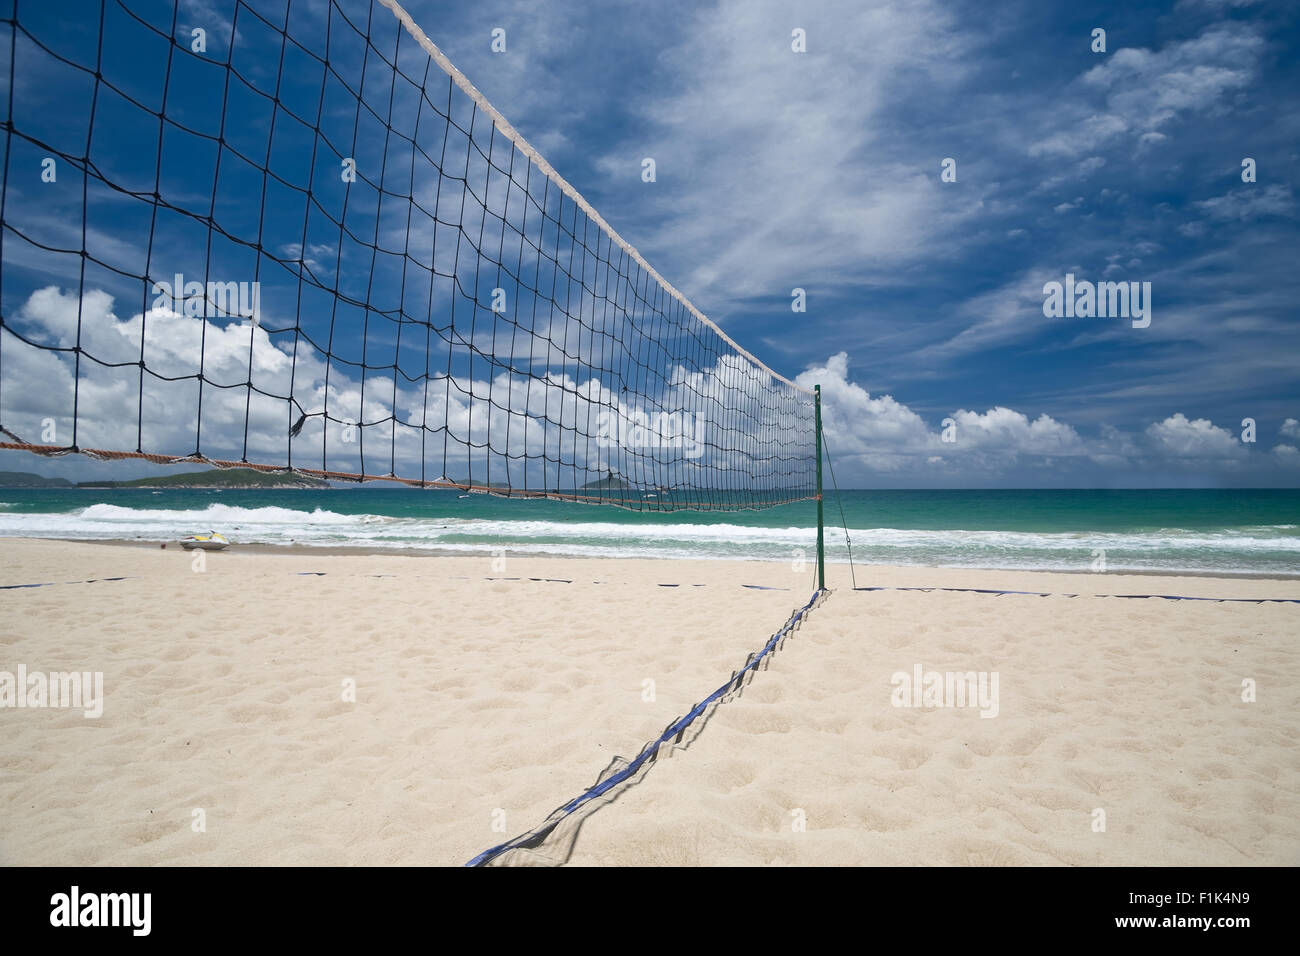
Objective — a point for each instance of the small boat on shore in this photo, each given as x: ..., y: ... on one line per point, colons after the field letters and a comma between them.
x: 212, y: 541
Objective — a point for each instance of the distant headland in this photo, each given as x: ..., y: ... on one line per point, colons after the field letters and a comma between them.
x: 210, y: 478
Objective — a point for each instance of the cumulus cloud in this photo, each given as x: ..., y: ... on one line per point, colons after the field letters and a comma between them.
x: 720, y: 425
x: 882, y: 436
x: 1181, y: 438
x: 876, y: 432
x: 248, y: 383
x: 1012, y: 432
x: 1287, y: 455
x: 519, y: 426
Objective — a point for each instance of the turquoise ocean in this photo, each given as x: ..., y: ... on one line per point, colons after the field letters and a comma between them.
x: 1236, y: 531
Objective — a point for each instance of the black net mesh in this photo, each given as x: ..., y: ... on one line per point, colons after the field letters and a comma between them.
x: 290, y: 235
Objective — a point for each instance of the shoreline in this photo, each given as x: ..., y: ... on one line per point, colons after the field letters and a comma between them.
x: 341, y: 550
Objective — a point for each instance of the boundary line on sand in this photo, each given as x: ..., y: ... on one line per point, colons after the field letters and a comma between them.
x: 1163, y: 597
x: 650, y: 751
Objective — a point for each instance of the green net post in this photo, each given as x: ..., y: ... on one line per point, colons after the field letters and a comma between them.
x: 821, y: 524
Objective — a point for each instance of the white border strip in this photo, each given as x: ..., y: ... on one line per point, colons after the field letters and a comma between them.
x: 509, y: 131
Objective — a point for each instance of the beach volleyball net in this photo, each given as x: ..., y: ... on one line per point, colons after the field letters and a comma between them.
x: 281, y: 235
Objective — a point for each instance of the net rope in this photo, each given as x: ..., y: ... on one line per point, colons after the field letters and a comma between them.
x: 304, y: 241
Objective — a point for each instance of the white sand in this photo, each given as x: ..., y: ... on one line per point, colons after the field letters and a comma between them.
x: 224, y: 692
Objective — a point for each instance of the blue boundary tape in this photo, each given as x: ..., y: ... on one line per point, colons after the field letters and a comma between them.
x: 651, y: 749
x: 1164, y: 597
x: 47, y: 584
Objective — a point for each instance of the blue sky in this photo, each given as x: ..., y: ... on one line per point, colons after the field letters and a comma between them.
x: 776, y: 171
x: 820, y: 170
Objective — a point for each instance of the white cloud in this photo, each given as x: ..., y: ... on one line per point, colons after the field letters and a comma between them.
x: 1249, y: 202
x: 1011, y: 313
x: 878, y: 432
x: 1287, y: 455
x: 767, y: 158
x: 531, y: 419
x: 1011, y: 432
x: 1136, y: 92
x: 512, y: 424
x: 117, y: 409
x: 1178, y: 437
x: 319, y: 257
x: 880, y: 435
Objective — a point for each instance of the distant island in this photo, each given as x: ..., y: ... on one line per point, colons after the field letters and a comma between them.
x: 23, y: 479
x: 212, y: 478
x: 608, y: 483
x: 600, y: 484
x: 216, y: 478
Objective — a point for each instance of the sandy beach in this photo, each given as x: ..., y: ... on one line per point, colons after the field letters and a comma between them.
x: 485, y: 696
